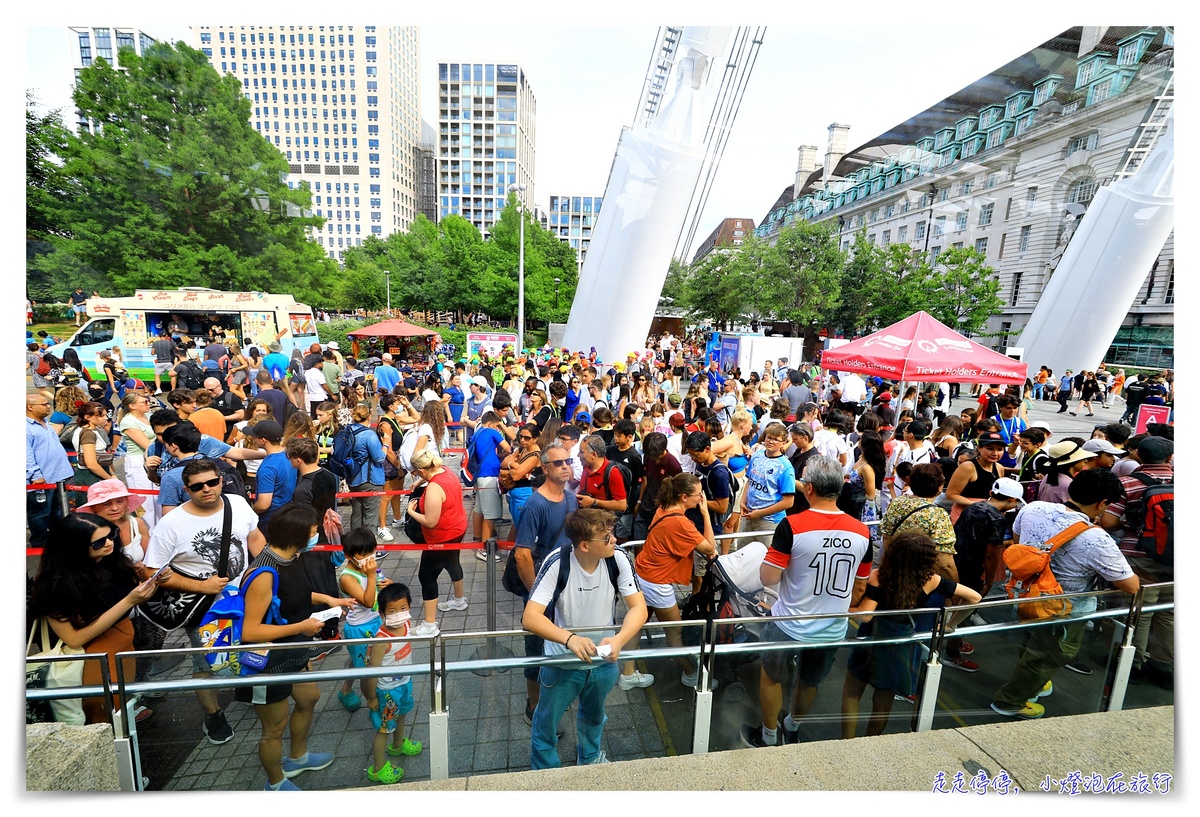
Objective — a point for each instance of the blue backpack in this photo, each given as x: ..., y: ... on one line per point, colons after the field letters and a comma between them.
x: 221, y: 629
x: 346, y: 460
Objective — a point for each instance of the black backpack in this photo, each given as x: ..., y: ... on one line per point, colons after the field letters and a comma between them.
x: 631, y: 488
x: 192, y: 377
x: 852, y: 499
x: 346, y: 460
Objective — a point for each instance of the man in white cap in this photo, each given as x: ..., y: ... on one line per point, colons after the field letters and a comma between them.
x: 1106, y: 453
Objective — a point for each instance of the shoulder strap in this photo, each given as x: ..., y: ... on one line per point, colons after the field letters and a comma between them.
x: 661, y: 518
x: 226, y: 535
x: 564, y: 570
x: 1067, y: 534
x: 608, y: 466
x: 910, y: 513
x: 1146, y: 479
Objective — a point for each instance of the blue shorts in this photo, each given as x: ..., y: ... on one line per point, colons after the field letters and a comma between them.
x: 393, y: 704
x: 358, y: 652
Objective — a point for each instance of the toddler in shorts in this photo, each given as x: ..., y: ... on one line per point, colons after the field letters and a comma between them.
x: 358, y: 579
x: 390, y: 698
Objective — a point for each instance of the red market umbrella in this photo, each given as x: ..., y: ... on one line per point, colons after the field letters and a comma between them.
x: 392, y: 329
x: 921, y: 348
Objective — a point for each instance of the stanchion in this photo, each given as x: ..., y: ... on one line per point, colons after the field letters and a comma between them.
x: 491, y: 650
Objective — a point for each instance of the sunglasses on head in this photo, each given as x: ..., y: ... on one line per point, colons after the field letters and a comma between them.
x: 208, y: 483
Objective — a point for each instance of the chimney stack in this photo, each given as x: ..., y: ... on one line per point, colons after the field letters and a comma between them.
x: 806, y: 164
x: 839, y: 136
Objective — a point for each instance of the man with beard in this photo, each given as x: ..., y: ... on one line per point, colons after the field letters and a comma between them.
x: 190, y: 541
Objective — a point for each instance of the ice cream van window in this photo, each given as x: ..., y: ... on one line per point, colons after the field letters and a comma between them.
x: 302, y: 324
x: 98, y: 331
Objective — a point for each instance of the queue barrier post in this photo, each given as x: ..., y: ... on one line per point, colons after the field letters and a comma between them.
x: 490, y: 649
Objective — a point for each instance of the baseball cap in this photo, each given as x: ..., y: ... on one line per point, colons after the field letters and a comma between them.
x: 1042, y: 424
x: 676, y: 421
x: 886, y: 397
x: 674, y: 398
x: 333, y: 344
x: 1155, y: 450
x: 990, y: 438
x: 583, y: 417
x: 1009, y: 488
x: 1102, y: 447
x: 268, y: 430
x: 480, y: 382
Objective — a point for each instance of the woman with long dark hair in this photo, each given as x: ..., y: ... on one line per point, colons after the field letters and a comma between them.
x: 86, y: 586
x: 95, y: 459
x: 904, y: 580
x: 866, y: 475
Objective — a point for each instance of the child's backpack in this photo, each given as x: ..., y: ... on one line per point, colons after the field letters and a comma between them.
x: 470, y: 464
x: 221, y: 629
x: 347, y: 460
x: 1154, y: 522
x: 1030, y: 577
x: 43, y: 366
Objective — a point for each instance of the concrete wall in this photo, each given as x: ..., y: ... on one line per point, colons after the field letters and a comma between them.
x: 59, y: 757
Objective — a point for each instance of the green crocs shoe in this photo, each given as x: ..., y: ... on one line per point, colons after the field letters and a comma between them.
x: 350, y: 700
x: 411, y: 748
x: 388, y: 774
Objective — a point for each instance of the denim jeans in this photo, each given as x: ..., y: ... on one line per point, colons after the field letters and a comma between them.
x: 559, y: 687
x: 38, y: 515
x: 517, y: 498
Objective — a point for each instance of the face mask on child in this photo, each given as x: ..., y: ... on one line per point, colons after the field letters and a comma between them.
x: 397, y: 619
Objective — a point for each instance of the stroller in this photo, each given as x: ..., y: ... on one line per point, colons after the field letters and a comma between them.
x: 731, y: 588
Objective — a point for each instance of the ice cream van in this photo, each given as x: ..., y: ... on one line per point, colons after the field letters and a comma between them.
x: 195, y: 313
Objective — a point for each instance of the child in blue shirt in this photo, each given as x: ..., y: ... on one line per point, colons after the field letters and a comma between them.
x: 390, y: 698
x: 359, y: 580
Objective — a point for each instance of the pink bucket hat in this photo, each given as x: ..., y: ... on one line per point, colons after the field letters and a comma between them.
x: 108, y: 489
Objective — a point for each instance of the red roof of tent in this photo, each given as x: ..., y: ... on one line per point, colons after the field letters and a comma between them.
x: 394, y: 328
x: 920, y: 348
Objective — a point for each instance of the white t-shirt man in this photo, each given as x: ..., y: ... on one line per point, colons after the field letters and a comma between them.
x: 854, y: 390
x: 587, y: 600
x: 675, y: 447
x: 192, y: 543
x: 314, y: 386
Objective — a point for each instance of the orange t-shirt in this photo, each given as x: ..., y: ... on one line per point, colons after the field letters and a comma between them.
x: 1041, y: 376
x: 666, y: 558
x: 210, y: 422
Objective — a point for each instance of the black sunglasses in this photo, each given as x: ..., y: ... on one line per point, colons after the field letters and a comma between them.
x: 525, y: 436
x: 561, y: 463
x: 208, y: 483
x: 99, y: 545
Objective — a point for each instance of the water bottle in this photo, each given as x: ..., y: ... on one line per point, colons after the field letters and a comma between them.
x: 40, y: 497
x: 378, y: 575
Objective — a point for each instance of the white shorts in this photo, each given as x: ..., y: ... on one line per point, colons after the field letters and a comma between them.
x: 660, y: 596
x: 162, y: 368
x: 487, y: 498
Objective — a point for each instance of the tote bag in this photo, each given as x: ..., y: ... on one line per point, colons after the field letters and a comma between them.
x: 49, y: 675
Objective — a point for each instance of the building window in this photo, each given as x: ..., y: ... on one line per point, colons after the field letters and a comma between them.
x: 920, y: 232
x: 966, y: 187
x: 1086, y: 142
x: 939, y: 226
x: 934, y: 252
x: 960, y: 221
x: 1081, y: 192
x: 985, y: 214
x: 1016, y: 288
x: 887, y: 237
x: 1031, y: 195
x: 1026, y: 232
x: 1169, y: 298
x: 992, y: 180
x: 902, y: 234
x: 981, y: 246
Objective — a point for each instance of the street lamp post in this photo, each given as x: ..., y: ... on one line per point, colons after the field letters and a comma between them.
x: 387, y: 276
x: 557, y: 281
x: 520, y: 189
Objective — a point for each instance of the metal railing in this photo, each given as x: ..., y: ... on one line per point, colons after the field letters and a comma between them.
x: 438, y: 668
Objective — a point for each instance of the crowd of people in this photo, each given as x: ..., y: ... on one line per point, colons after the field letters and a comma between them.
x: 869, y: 501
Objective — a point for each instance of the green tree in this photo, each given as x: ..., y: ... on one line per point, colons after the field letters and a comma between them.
x: 860, y: 281
x: 905, y: 284
x: 675, y: 282
x: 967, y: 290
x: 796, y: 279
x: 717, y: 286
x: 47, y: 188
x: 176, y: 188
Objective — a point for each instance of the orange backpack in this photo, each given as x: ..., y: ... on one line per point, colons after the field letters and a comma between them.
x: 1030, y: 577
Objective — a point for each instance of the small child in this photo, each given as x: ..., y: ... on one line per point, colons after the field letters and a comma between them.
x: 395, y: 697
x: 358, y: 580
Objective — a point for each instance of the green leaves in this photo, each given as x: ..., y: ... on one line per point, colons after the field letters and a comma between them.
x: 175, y: 187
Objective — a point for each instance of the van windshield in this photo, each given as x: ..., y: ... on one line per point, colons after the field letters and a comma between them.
x: 101, y: 330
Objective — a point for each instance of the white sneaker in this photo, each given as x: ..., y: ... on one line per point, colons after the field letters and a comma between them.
x: 977, y: 620
x: 453, y: 604
x: 425, y: 629
x: 481, y: 555
x: 638, y: 680
x: 384, y: 534
x: 693, y: 679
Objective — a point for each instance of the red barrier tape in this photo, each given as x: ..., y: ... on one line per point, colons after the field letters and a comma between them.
x: 146, y: 492
x: 380, y: 546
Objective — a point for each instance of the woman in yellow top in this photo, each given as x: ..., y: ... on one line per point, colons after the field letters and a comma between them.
x: 667, y: 558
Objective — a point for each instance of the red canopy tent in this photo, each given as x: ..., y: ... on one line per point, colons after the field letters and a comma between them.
x: 920, y: 348
x: 394, y: 328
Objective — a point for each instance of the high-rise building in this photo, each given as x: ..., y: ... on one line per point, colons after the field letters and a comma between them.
x: 426, y: 159
x: 572, y: 218
x: 487, y: 140
x: 103, y: 42
x: 1006, y: 166
x: 343, y: 104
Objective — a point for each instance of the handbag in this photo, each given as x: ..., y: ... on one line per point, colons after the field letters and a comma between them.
x: 412, y: 528
x: 170, y: 608
x: 50, y: 675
